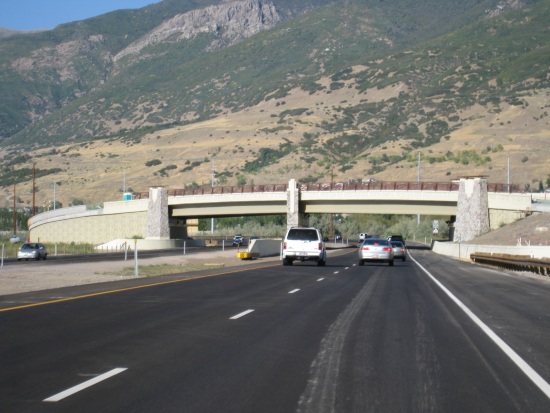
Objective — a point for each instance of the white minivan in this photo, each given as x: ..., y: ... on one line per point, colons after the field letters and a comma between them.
x: 304, y: 244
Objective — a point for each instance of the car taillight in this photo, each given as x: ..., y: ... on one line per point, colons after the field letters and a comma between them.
x: 320, y: 246
x: 402, y: 249
x: 365, y: 248
x: 284, y: 245
x: 386, y: 249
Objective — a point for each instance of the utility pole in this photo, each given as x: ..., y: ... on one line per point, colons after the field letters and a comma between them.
x: 33, y: 189
x: 418, y: 215
x: 14, y: 212
x: 509, y: 175
x: 331, y: 215
x: 212, y: 221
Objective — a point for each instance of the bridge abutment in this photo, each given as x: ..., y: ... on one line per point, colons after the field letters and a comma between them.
x: 472, y: 218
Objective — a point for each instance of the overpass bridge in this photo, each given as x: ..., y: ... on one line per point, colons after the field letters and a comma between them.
x: 476, y: 204
x: 482, y: 203
x: 402, y: 198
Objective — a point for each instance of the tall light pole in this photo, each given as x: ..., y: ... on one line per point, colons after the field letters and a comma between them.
x: 508, y: 174
x: 212, y: 221
x: 418, y: 215
x: 419, y: 167
x: 54, y: 202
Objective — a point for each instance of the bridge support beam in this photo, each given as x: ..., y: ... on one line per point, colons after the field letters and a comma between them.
x: 157, y: 215
x: 472, y: 218
x: 293, y: 215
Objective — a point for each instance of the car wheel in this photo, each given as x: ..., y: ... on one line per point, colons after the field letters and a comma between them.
x: 321, y: 263
x: 391, y: 263
x: 361, y: 262
x: 404, y: 259
x: 38, y: 257
x: 287, y: 261
x: 46, y: 256
x: 18, y: 259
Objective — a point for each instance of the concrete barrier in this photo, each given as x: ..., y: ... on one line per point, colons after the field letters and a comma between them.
x: 463, y: 251
x: 265, y: 247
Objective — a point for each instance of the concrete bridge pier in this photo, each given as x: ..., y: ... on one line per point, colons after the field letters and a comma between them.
x: 293, y: 215
x: 157, y: 226
x: 472, y: 218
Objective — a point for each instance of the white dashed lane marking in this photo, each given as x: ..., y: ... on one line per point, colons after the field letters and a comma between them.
x: 60, y: 396
x: 235, y: 317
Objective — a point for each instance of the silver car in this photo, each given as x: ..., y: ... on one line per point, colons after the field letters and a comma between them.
x: 375, y: 250
x: 32, y: 251
x: 399, y: 251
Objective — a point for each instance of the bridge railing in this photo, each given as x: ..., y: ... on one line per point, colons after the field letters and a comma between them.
x: 381, y: 186
x: 335, y: 186
x: 220, y: 190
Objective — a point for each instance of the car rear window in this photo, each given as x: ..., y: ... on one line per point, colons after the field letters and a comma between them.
x: 302, y: 235
x: 376, y: 242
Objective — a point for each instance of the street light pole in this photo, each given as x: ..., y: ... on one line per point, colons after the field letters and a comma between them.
x: 212, y: 221
x: 418, y: 215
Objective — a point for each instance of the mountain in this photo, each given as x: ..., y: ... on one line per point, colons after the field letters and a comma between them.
x: 261, y: 91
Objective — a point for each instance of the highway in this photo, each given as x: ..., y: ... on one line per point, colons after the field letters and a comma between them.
x: 427, y: 335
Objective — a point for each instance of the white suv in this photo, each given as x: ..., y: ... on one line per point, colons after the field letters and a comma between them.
x: 304, y: 244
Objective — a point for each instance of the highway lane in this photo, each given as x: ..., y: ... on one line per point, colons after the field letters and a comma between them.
x: 339, y: 338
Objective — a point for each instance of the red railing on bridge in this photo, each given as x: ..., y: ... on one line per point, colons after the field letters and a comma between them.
x: 334, y: 186
x: 219, y: 190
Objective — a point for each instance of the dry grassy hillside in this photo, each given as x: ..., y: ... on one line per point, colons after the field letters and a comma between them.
x: 94, y: 172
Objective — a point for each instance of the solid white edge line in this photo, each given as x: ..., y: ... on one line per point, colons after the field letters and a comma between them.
x: 294, y: 291
x: 60, y: 396
x: 522, y: 364
x: 241, y: 314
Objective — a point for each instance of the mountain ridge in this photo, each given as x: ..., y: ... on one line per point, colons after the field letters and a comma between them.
x: 370, y: 98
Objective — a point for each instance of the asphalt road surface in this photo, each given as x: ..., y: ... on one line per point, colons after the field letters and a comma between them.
x: 428, y: 335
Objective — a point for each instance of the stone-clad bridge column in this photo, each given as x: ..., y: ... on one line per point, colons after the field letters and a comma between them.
x: 472, y: 218
x: 293, y: 215
x: 157, y: 214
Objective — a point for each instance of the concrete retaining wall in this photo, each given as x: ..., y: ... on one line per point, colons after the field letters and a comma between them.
x: 91, y: 227
x: 463, y: 251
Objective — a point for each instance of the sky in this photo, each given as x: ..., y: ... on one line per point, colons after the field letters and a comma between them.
x: 46, y: 14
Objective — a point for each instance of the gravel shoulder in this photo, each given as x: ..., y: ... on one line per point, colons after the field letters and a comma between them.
x: 23, y: 277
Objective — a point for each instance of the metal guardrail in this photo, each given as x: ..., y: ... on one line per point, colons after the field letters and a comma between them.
x: 513, y: 262
x: 334, y: 186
